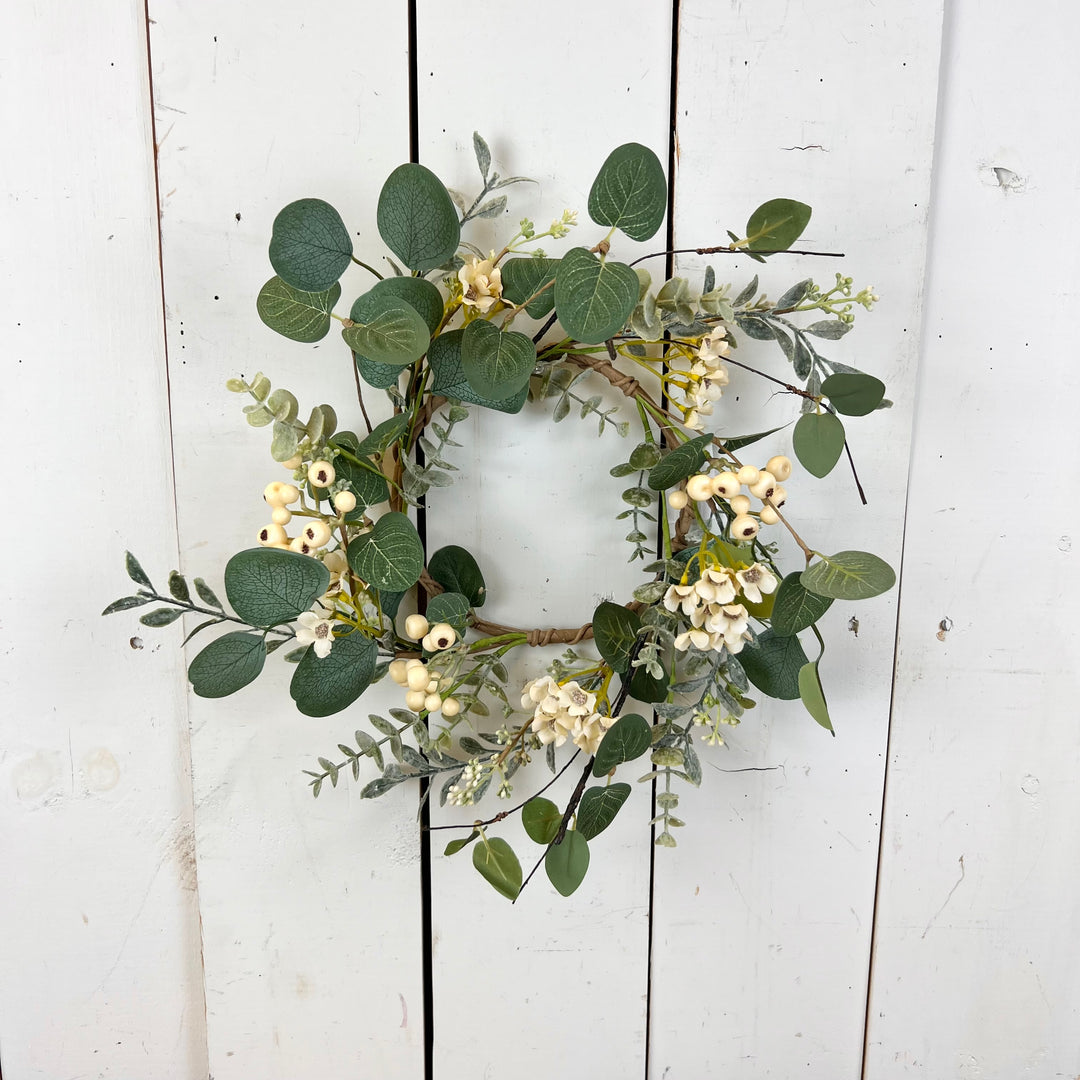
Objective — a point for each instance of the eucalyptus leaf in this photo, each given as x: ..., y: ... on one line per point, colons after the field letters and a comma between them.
x: 451, y: 608
x: 831, y: 329
x: 391, y: 556
x: 416, y: 217
x: 777, y: 224
x: 387, y: 330
x: 593, y: 298
x: 178, y: 587
x: 567, y: 862
x: 496, y: 862
x: 266, y: 586
x: 615, y: 630
x: 227, y: 664
x: 483, y: 154
x: 310, y: 247
x: 522, y: 278
x: 754, y: 327
x: 125, y: 603
x: 541, y: 819
x: 628, y: 738
x: 853, y: 395
x: 457, y: 571
x: 444, y: 357
x: 795, y: 607
x: 818, y: 442
x: 773, y: 663
x: 496, y: 363
x: 420, y: 294
x: 463, y: 842
x: 813, y: 696
x: 849, y: 575
x: 322, y: 686
x: 598, y: 808
x: 300, y: 316
x: 630, y: 192
x: 680, y: 463
x: 739, y: 441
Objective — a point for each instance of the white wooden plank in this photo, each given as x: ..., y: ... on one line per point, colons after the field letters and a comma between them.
x: 536, y: 505
x: 98, y: 914
x: 974, y: 961
x: 768, y: 900
x: 311, y: 910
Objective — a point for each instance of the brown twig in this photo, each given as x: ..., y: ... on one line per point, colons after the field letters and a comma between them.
x: 727, y: 249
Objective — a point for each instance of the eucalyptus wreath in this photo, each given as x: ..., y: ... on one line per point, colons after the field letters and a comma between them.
x: 340, y: 561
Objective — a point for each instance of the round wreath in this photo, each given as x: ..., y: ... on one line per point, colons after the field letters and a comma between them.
x: 339, y: 555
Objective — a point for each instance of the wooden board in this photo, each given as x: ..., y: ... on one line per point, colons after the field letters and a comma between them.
x: 536, y: 504
x: 310, y: 910
x: 98, y: 914
x: 975, y: 972
x: 769, y: 898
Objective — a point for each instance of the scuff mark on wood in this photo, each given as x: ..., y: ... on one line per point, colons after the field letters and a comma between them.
x: 947, y: 899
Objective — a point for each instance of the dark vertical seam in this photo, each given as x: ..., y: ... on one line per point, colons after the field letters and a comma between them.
x: 427, y: 965
x: 669, y: 266
x: 938, y: 124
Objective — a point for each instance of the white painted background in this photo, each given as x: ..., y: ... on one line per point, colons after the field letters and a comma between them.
x: 927, y: 855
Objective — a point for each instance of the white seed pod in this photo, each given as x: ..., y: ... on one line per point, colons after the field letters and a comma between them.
x: 748, y: 474
x: 281, y: 516
x: 269, y: 535
x: 397, y: 671
x: 442, y: 635
x: 779, y: 466
x: 699, y: 487
x: 740, y: 504
x: 726, y: 484
x: 451, y: 707
x: 317, y: 533
x: 415, y: 699
x: 416, y: 626
x: 433, y: 703
x: 764, y: 486
x: 768, y: 516
x: 744, y: 527
x: 344, y: 502
x: 678, y: 499
x: 320, y: 474
x: 779, y: 495
x: 273, y: 492
x: 417, y: 678
x: 293, y: 463
x: 289, y: 493
x: 301, y: 545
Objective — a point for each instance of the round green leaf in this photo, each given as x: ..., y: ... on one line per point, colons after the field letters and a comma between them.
x: 628, y: 738
x: 522, y: 278
x: 418, y: 293
x: 494, y: 858
x: 567, y: 862
x: 387, y: 331
x: 777, y: 224
x: 416, y: 218
x: 813, y: 696
x: 310, y: 246
x: 849, y: 575
x: 630, y: 192
x: 457, y: 571
x: 594, y: 298
x: 451, y: 608
x: 598, y: 808
x: 444, y: 358
x: 541, y: 819
x: 772, y: 664
x: 322, y: 686
x: 391, y: 556
x: 301, y: 316
x: 855, y: 394
x: 796, y: 608
x: 497, y: 364
x: 266, y: 586
x: 227, y: 664
x: 615, y: 630
x: 818, y: 441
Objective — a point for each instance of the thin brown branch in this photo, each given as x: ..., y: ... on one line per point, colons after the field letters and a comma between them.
x: 728, y: 249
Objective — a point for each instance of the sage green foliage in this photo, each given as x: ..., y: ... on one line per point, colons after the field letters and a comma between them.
x: 567, y: 862
x: 456, y: 570
x: 795, y: 608
x: 227, y: 664
x: 368, y: 485
x: 680, y: 463
x: 451, y: 608
x: 522, y: 278
x: 813, y: 696
x: 772, y: 664
x: 391, y: 556
x: 463, y: 842
x: 630, y: 192
x: 541, y: 819
x: 310, y: 247
x: 416, y: 218
x: 593, y: 297
x: 498, y: 865
x: 388, y: 330
x: 301, y: 316
x: 322, y: 686
x: 266, y: 587
x: 818, y: 441
x: 849, y: 575
x: 419, y: 293
x: 777, y: 224
x: 496, y: 363
x: 598, y: 808
x: 853, y: 394
x: 615, y: 629
x: 628, y: 738
x: 449, y: 379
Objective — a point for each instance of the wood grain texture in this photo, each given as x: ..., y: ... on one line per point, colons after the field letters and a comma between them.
x: 311, y: 909
x: 98, y: 914
x: 536, y: 504
x: 769, y: 898
x: 974, y: 964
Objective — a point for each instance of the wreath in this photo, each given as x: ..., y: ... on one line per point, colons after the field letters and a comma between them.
x: 340, y: 561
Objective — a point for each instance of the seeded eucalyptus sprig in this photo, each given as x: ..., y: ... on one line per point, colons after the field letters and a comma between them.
x: 451, y: 328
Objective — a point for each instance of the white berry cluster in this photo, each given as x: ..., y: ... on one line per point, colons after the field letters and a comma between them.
x: 765, y: 484
x: 708, y: 377
x: 464, y: 791
x: 564, y: 712
x: 317, y: 532
x: 717, y: 621
x: 424, y: 687
x: 435, y: 638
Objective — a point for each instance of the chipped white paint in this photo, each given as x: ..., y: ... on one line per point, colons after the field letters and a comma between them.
x: 98, y: 914
x: 975, y: 974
